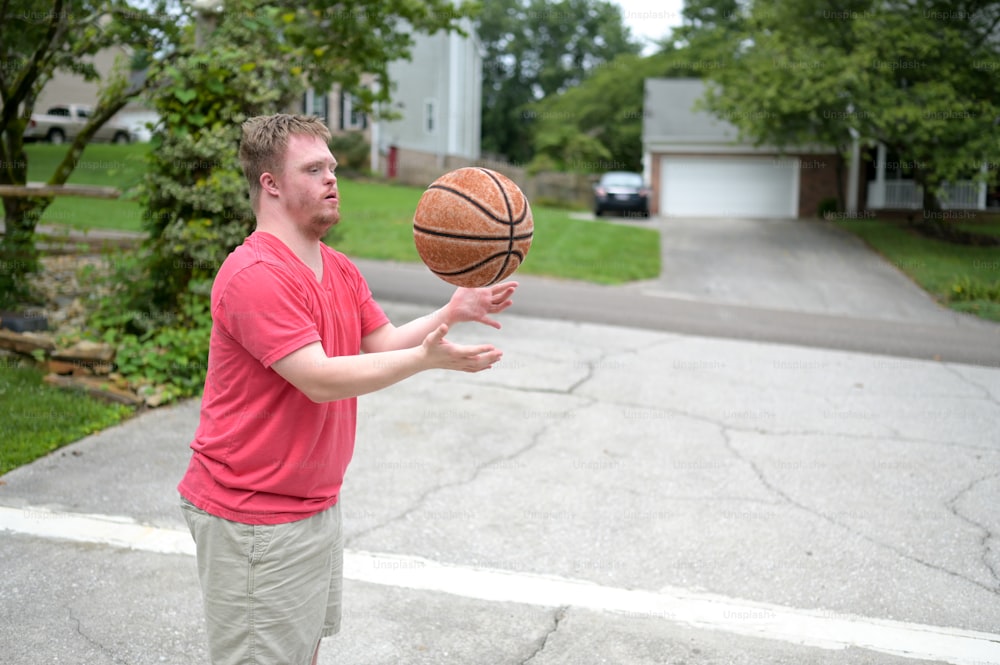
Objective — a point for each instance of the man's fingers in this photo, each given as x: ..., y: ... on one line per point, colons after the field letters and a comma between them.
x: 503, y: 292
x: 475, y: 351
x: 485, y: 361
x: 490, y: 322
x: 478, y: 358
x: 438, y: 333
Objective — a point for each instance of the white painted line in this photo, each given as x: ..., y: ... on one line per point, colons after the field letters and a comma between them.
x: 105, y: 529
x: 708, y: 611
x: 810, y: 628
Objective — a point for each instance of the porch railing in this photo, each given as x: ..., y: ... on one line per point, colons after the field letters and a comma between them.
x: 906, y: 195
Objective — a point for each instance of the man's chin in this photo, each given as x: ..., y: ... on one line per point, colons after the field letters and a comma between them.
x: 323, y: 225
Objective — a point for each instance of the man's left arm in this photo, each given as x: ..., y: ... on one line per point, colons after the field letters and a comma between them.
x: 475, y: 305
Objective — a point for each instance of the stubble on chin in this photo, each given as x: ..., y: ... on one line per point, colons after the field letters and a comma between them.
x: 321, y: 223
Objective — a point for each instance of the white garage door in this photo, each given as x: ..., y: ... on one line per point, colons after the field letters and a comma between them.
x: 729, y: 187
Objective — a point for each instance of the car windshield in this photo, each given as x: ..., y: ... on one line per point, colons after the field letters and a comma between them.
x: 622, y: 180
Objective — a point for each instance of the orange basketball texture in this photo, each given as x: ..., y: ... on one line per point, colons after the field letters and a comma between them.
x: 473, y: 227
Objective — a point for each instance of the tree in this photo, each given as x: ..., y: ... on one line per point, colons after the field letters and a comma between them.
x: 534, y: 49
x: 246, y: 59
x: 251, y: 59
x: 36, y: 41
x: 580, y: 130
x: 597, y: 125
x: 900, y: 72
x: 708, y: 31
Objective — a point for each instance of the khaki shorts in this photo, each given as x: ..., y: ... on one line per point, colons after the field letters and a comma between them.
x: 270, y: 592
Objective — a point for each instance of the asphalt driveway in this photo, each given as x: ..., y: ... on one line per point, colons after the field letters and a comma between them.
x: 608, y: 494
x: 808, y: 266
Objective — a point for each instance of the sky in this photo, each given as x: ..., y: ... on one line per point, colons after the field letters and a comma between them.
x: 651, y: 19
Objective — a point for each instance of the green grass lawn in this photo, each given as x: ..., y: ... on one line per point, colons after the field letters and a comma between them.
x: 36, y: 418
x: 377, y: 220
x: 101, y: 164
x: 942, y: 269
x: 377, y: 223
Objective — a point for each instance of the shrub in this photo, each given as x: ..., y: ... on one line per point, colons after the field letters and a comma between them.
x: 827, y: 207
x: 352, y: 151
x: 967, y: 289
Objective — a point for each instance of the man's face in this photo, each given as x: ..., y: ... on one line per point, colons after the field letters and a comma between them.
x: 308, y: 185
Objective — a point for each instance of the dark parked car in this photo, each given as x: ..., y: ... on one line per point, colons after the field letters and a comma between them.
x: 622, y: 192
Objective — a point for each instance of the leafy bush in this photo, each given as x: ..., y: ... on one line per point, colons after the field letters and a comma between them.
x: 197, y: 210
x: 170, y: 360
x: 352, y: 151
x: 157, y: 351
x: 197, y: 207
x: 826, y: 207
x: 967, y: 289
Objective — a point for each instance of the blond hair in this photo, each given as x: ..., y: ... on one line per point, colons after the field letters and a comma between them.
x: 265, y: 140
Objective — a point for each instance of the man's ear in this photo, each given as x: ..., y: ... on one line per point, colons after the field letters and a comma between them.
x: 268, y: 184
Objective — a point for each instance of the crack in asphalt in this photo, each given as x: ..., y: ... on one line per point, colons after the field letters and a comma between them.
x: 536, y: 438
x: 592, y: 367
x: 846, y: 527
x: 725, y: 429
x: 557, y: 619
x: 534, y: 441
x: 898, y: 438
x: 79, y: 630
x: 988, y: 535
x: 987, y: 394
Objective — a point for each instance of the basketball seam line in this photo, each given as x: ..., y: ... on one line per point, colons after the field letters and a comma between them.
x: 510, y: 215
x: 459, y: 236
x: 476, y: 203
x: 517, y: 253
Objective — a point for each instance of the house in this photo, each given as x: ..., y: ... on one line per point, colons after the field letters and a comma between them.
x: 437, y: 98
x: 697, y: 166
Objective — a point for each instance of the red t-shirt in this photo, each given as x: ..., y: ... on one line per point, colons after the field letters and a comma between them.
x: 264, y: 453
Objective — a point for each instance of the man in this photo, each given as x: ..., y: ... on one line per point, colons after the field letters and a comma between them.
x: 291, y: 317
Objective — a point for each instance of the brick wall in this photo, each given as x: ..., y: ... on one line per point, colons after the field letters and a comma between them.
x: 817, y: 181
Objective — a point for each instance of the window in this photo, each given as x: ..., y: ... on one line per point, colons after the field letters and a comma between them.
x: 317, y: 104
x: 430, y: 116
x: 351, y: 117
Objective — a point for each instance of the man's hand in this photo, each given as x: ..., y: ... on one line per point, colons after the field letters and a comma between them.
x: 478, y: 304
x: 442, y: 354
x: 465, y: 305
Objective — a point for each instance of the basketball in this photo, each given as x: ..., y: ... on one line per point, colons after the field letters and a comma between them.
x: 473, y: 227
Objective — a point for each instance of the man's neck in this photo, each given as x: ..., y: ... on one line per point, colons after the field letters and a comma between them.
x: 306, y: 248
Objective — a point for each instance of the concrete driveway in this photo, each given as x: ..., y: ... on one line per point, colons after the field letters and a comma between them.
x: 604, y: 495
x: 607, y: 494
x: 808, y: 266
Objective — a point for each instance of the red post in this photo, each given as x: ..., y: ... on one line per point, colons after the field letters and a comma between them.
x: 393, y: 160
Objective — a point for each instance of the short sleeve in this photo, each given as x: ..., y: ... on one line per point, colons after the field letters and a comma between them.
x: 371, y: 314
x: 265, y: 311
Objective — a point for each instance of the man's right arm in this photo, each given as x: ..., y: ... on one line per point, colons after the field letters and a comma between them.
x: 324, y: 379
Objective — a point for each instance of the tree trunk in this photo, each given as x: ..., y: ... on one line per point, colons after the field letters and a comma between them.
x: 18, y: 254
x: 931, y: 216
x: 934, y: 222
